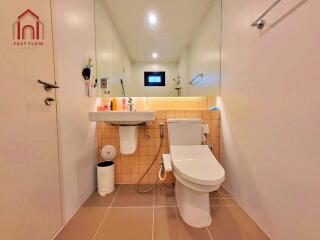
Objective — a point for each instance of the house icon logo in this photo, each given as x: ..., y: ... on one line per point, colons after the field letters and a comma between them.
x: 28, y: 30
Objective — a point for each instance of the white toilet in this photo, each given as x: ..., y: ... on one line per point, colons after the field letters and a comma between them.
x: 196, y: 170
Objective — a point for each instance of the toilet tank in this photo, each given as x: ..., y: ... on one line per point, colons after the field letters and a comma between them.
x: 184, y: 131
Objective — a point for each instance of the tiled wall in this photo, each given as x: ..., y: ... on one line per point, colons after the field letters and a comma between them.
x: 130, y: 168
x: 170, y: 103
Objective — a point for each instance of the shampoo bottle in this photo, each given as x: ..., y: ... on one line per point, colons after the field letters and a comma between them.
x: 114, y: 104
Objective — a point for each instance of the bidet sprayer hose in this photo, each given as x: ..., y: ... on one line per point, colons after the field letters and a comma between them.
x: 160, y: 173
x: 161, y: 125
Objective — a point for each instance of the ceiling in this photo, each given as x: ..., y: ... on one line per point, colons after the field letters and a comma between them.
x: 177, y: 23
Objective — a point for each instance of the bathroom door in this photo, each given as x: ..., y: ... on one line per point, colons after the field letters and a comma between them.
x: 30, y: 198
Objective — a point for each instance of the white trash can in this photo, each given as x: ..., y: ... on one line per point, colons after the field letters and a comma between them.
x: 106, y: 171
x: 106, y: 176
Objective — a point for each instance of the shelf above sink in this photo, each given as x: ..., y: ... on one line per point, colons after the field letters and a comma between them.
x: 123, y: 117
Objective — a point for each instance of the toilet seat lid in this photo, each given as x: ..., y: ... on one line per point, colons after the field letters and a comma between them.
x: 196, y: 163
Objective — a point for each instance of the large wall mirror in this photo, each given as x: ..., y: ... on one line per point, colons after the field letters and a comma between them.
x: 158, y: 48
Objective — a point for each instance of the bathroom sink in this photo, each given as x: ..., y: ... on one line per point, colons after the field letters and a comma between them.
x: 123, y: 117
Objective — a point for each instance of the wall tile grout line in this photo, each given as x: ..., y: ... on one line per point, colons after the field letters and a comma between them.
x: 106, y: 213
x: 153, y: 203
x: 129, y: 168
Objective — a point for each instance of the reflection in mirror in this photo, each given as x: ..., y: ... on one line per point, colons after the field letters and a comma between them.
x: 149, y: 48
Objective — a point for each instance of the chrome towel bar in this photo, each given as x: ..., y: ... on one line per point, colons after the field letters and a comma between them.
x: 260, y: 22
x: 196, y: 77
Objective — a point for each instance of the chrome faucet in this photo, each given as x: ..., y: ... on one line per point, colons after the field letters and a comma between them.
x: 130, y: 105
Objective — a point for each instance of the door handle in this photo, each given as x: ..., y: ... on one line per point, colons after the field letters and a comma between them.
x: 49, y: 100
x: 47, y: 86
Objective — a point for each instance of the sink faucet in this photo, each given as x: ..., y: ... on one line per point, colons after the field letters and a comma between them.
x: 130, y: 105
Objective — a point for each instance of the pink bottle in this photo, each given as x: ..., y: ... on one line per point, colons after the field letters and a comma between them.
x: 124, y: 104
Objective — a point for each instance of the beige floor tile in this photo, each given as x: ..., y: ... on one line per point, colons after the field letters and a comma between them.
x: 222, y: 201
x: 83, y: 225
x: 164, y: 196
x: 169, y: 226
x: 128, y: 197
x: 127, y: 223
x: 131, y: 217
x: 220, y: 193
x: 96, y: 201
x: 232, y: 223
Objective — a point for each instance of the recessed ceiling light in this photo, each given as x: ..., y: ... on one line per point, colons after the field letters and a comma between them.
x: 153, y: 19
x: 155, y: 55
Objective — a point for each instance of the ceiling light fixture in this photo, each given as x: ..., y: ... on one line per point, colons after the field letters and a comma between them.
x: 153, y: 19
x: 155, y: 55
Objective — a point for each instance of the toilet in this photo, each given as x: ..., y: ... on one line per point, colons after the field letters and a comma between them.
x: 196, y: 170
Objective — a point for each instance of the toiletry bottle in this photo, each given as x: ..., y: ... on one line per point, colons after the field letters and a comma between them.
x: 111, y: 105
x: 106, y: 107
x: 124, y: 104
x: 114, y: 104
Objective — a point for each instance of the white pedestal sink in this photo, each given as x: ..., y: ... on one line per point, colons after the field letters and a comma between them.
x: 123, y: 117
x: 128, y: 125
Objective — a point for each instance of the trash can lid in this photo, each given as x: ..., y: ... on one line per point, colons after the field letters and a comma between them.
x: 105, y: 164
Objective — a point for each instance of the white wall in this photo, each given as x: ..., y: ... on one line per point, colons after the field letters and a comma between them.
x: 183, y: 69
x: 112, y: 57
x: 204, y: 54
x: 270, y: 119
x: 137, y: 88
x: 74, y: 44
